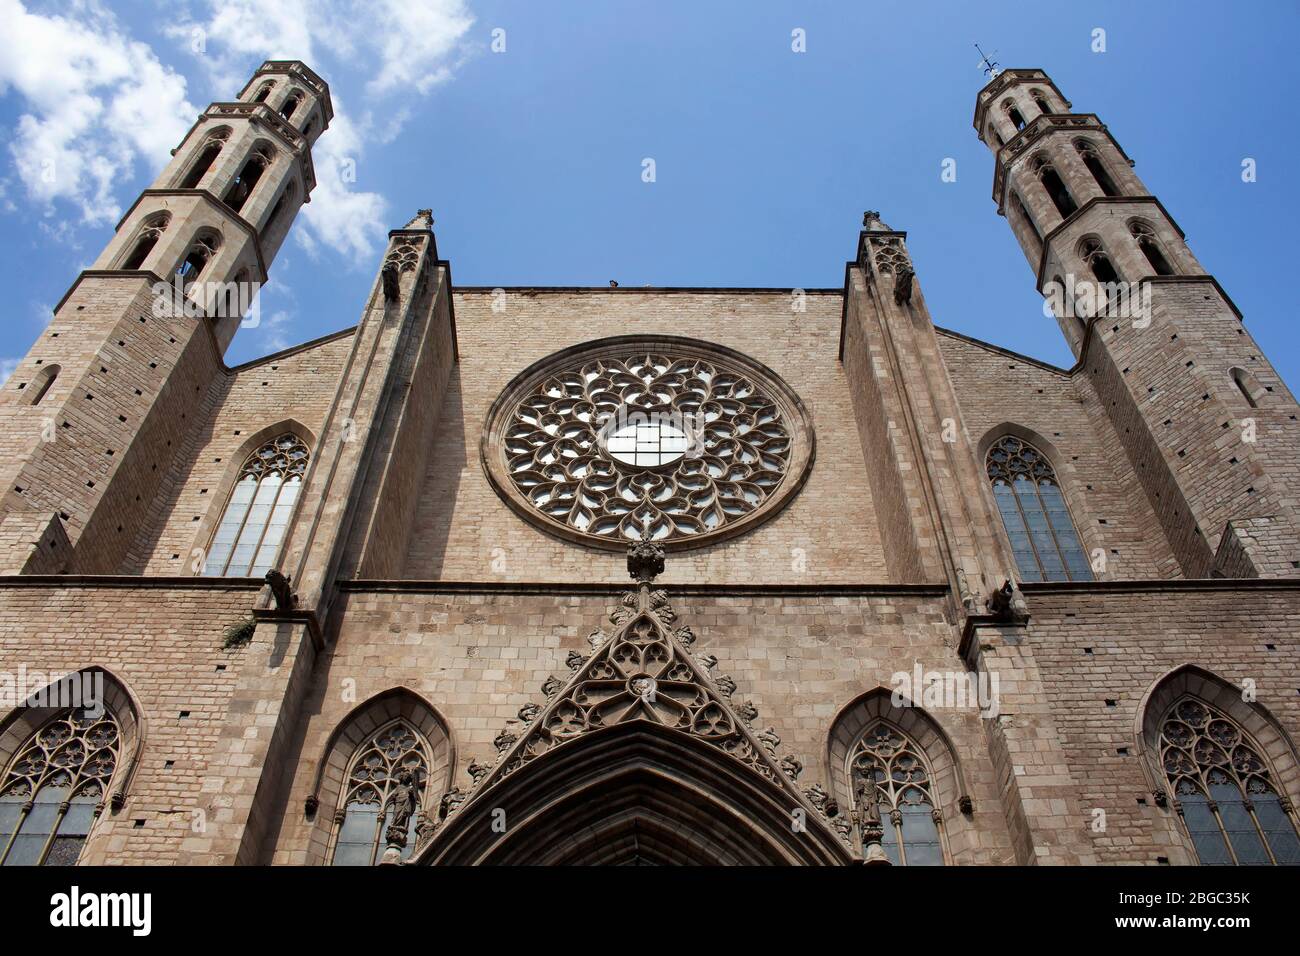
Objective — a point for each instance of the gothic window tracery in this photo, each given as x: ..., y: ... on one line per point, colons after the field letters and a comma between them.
x: 887, y: 767
x: 1145, y: 237
x: 1055, y: 186
x: 55, y: 787
x: 252, y: 527
x: 200, y: 253
x: 680, y: 441
x: 395, y: 757
x: 242, y: 186
x: 1224, y: 789
x: 1040, y: 100
x: 208, y: 154
x: 1094, y: 257
x: 1092, y: 159
x: 150, y: 232
x: 1043, y: 539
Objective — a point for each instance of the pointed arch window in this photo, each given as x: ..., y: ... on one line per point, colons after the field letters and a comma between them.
x: 196, y: 260
x: 1040, y: 100
x: 1013, y: 114
x: 1052, y: 182
x: 252, y: 527
x: 55, y: 787
x: 208, y: 154
x: 263, y: 93
x: 1224, y: 789
x: 1034, y: 513
x: 887, y: 767
x: 150, y: 232
x: 291, y: 104
x: 1092, y: 159
x: 385, y: 787
x: 1145, y: 237
x: 243, y: 185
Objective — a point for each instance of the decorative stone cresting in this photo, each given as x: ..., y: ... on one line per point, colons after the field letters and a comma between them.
x: 643, y: 670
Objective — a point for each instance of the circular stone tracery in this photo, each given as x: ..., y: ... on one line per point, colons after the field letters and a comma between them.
x: 690, y: 442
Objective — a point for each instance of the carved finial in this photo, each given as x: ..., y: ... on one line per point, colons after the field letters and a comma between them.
x: 645, y: 560
x: 423, y: 220
x: 872, y: 222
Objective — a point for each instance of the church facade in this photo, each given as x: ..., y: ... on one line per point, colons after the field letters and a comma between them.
x: 654, y: 575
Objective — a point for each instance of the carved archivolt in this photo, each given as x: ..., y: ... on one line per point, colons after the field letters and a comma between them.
x: 660, y: 436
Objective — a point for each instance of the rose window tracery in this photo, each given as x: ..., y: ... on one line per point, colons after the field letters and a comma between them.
x: 680, y: 443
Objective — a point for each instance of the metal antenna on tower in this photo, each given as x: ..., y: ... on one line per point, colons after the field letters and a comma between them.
x: 991, y: 67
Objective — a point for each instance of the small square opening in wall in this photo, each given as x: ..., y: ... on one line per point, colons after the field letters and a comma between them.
x: 184, y: 713
x: 1270, y: 647
x: 221, y: 667
x: 138, y: 824
x: 1121, y: 751
x: 1088, y: 651
x: 1162, y: 861
x: 168, y: 764
x: 1142, y: 801
x: 1111, y: 702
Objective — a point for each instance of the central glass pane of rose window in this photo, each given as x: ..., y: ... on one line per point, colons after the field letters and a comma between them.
x: 648, y: 443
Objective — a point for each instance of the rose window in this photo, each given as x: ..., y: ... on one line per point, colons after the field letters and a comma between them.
x: 666, y: 437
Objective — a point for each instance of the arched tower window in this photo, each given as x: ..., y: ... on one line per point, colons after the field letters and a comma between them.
x: 386, y: 782
x: 1092, y: 159
x: 1094, y: 257
x: 1248, y: 387
x: 243, y: 185
x: 252, y: 527
x: 1040, y: 100
x: 55, y: 787
x: 1146, y: 239
x: 291, y: 104
x: 150, y: 232
x: 202, y: 251
x: 1023, y: 213
x: 286, y: 197
x: 1052, y: 182
x: 891, y: 780
x: 41, y: 383
x: 1043, y: 539
x: 212, y: 147
x: 1224, y: 788
x: 263, y: 93
x: 1013, y: 114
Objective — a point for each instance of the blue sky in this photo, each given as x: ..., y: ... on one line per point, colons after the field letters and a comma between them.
x: 765, y: 159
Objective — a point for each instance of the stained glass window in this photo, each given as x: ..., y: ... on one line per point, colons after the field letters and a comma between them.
x: 905, y: 800
x: 1043, y: 539
x: 55, y: 787
x: 367, y: 809
x: 1223, y: 789
x: 252, y: 528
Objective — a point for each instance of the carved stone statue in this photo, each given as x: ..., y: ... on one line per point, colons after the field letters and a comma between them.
x: 575, y: 660
x: 529, y: 712
x: 477, y: 771
x: 726, y: 686
x: 405, y: 800
x: 903, y: 286
x: 503, y: 740
x: 551, y: 686
x: 769, y: 739
x: 791, y: 766
x: 392, y: 291
x: 645, y: 560
x: 285, y: 599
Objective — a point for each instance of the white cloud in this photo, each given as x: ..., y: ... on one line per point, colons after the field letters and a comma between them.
x: 95, y: 101
x: 7, y: 366
x: 416, y: 45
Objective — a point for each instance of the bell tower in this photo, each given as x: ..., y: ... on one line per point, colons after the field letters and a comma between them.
x: 93, y: 415
x: 1209, y: 426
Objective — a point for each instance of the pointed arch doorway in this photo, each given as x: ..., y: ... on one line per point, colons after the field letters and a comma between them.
x: 638, y: 793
